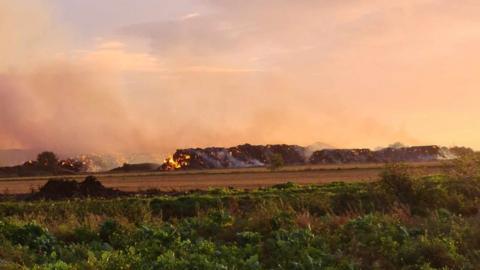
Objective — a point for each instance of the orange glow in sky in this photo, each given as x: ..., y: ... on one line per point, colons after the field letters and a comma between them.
x: 140, y: 76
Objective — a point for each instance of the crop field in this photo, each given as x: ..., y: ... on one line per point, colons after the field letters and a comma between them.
x: 402, y: 221
x: 237, y: 178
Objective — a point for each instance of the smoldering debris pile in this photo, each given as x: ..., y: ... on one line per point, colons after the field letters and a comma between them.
x: 12, y: 162
x: 259, y: 155
x: 33, y: 168
x: 51, y: 165
x: 58, y: 189
x: 412, y: 154
x: 241, y: 156
x: 403, y: 154
x: 334, y: 156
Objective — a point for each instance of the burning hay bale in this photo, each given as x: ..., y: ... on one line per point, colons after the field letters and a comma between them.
x: 74, y: 165
x: 340, y: 156
x: 32, y: 168
x: 46, y: 164
x: 247, y: 155
x: 291, y: 154
x: 241, y: 156
x: 58, y: 189
x: 411, y: 154
x: 402, y: 154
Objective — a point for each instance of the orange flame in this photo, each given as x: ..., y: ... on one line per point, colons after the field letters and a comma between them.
x: 171, y: 163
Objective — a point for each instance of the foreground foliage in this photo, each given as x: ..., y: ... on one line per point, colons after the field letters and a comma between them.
x: 397, y: 223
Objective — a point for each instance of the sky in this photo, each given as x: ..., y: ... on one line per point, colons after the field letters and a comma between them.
x: 84, y: 76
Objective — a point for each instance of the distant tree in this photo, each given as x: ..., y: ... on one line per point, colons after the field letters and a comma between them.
x: 47, y: 160
x: 276, y: 162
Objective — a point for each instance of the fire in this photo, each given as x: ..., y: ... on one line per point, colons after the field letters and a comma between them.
x: 172, y: 163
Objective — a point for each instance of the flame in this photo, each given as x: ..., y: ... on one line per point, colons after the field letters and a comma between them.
x: 172, y: 163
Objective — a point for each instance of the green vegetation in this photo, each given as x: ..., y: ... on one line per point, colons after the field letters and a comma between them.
x: 401, y: 222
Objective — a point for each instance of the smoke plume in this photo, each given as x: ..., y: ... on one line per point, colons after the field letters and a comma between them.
x: 348, y: 74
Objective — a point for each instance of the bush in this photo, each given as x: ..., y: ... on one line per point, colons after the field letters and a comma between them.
x: 31, y: 235
x: 85, y: 235
x: 465, y: 167
x: 113, y: 233
x: 396, y: 179
x: 439, y: 253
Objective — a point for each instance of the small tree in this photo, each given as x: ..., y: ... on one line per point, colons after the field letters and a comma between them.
x: 276, y: 162
x: 47, y: 160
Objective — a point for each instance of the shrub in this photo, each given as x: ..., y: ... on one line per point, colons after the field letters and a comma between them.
x: 31, y: 235
x: 396, y: 179
x: 85, y: 235
x: 439, y: 253
x: 465, y: 167
x: 113, y: 233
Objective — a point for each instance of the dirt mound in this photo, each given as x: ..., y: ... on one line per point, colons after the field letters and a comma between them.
x: 140, y: 167
x: 63, y: 189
